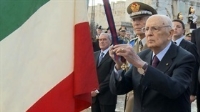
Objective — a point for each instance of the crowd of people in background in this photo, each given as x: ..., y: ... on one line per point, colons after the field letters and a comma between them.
x: 163, y: 64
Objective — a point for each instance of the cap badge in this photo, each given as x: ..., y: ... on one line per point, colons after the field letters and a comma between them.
x: 135, y: 7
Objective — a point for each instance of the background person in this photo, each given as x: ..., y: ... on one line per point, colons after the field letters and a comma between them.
x: 178, y: 39
x: 102, y: 99
x: 196, y: 41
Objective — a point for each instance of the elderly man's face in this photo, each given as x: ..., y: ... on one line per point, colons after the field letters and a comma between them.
x: 157, y: 32
x: 104, y: 42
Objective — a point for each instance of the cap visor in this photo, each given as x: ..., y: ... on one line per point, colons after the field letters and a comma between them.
x: 141, y: 15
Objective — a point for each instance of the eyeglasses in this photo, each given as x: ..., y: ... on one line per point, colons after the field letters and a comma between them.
x: 153, y: 29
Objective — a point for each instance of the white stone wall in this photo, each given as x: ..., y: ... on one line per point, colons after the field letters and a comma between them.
x: 166, y: 7
x: 118, y: 10
x: 172, y: 7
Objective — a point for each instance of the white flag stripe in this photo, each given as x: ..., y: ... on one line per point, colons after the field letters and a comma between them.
x: 80, y: 11
x: 44, y: 49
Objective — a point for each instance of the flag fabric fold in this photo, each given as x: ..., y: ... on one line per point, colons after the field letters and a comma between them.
x: 47, y: 62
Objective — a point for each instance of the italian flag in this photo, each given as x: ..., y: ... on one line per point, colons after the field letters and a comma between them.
x: 46, y: 56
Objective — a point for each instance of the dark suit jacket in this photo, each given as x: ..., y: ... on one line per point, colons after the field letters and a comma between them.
x: 192, y: 49
x: 196, y: 39
x: 162, y: 89
x: 104, y: 70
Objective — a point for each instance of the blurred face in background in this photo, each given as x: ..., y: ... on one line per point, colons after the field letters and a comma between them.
x: 188, y: 37
x: 192, y: 10
x: 128, y: 35
x: 104, y: 41
x: 108, y: 31
x: 178, y: 30
x: 99, y: 31
x: 122, y: 33
x: 180, y: 16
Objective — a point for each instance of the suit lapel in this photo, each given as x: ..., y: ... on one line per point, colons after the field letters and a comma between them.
x: 163, y: 65
x: 104, y: 58
x: 148, y: 57
x: 183, y: 44
x: 166, y: 62
x: 97, y: 57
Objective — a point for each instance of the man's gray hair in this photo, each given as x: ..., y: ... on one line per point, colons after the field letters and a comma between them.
x: 165, y: 19
x: 107, y: 35
x: 168, y: 21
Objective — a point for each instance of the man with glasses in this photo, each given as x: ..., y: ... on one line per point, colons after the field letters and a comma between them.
x: 160, y: 76
x: 139, y: 13
x: 178, y: 39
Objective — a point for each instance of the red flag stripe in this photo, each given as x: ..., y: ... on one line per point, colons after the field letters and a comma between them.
x: 73, y: 93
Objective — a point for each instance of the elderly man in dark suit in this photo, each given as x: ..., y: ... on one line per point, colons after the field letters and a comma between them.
x: 178, y: 39
x: 160, y: 76
x: 196, y: 41
x: 102, y: 99
x: 139, y: 13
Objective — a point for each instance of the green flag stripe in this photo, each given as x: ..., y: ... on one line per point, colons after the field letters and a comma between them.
x: 13, y: 13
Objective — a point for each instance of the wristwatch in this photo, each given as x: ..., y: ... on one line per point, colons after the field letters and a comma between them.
x: 143, y: 69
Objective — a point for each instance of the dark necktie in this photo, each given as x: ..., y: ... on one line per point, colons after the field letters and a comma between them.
x: 155, y: 61
x: 101, y: 57
x: 140, y: 46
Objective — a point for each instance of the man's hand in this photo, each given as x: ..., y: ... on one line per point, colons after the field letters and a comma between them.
x: 192, y: 98
x: 117, y: 61
x: 128, y: 53
x: 93, y: 93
